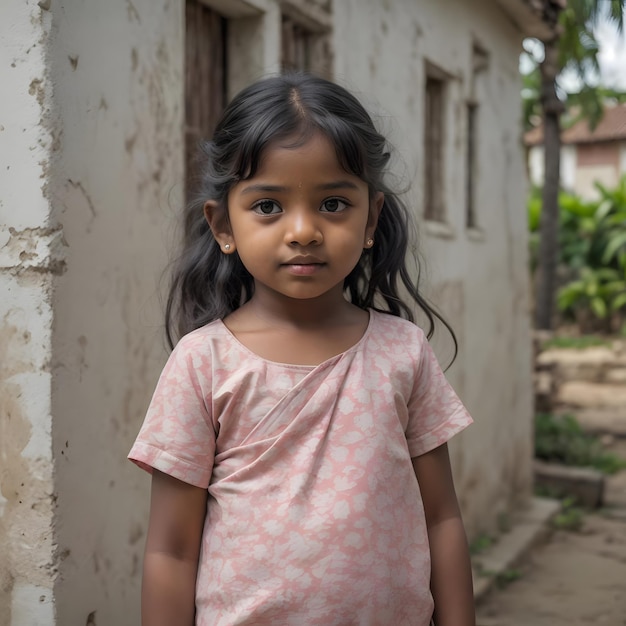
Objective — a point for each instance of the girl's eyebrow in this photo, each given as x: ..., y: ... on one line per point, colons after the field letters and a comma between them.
x: 339, y: 184
x: 264, y: 188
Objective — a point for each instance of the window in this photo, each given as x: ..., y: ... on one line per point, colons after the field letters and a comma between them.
x: 434, y: 115
x: 305, y: 39
x: 205, y: 78
x: 296, y: 46
x: 470, y: 166
x: 480, y: 62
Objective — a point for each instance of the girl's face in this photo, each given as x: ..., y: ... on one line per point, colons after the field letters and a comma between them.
x: 300, y: 223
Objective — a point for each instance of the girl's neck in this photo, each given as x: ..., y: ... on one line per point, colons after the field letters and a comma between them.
x: 328, y: 310
x: 298, y: 332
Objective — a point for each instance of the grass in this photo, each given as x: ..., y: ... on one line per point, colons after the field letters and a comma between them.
x: 480, y: 544
x: 576, y: 343
x: 507, y: 576
x: 560, y: 439
x: 571, y: 516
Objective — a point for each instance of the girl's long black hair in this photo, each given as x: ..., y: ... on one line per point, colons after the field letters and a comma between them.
x: 207, y: 284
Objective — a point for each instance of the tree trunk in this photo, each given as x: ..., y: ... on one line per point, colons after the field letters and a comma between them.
x: 549, y: 226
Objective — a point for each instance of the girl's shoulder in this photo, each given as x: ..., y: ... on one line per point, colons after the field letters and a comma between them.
x: 399, y: 339
x: 202, y: 338
x: 392, y: 328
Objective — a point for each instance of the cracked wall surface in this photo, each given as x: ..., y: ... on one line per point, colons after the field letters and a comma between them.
x: 116, y: 187
x: 32, y: 254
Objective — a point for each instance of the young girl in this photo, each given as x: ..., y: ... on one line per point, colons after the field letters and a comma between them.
x: 297, y: 435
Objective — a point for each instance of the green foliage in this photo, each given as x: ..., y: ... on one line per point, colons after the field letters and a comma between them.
x: 507, y: 576
x: 589, y: 103
x: 602, y: 291
x: 592, y: 247
x: 575, y: 343
x: 571, y: 517
x: 560, y: 439
x: 577, y: 52
x: 480, y: 544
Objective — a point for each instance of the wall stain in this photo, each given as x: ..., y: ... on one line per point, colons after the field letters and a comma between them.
x: 129, y: 143
x: 136, y: 533
x: 73, y: 61
x: 133, y: 14
x: 79, y: 186
x: 26, y: 509
x: 82, y: 360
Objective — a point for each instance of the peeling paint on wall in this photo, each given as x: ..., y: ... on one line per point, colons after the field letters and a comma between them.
x: 32, y: 253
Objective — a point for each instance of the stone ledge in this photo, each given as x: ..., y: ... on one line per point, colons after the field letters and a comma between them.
x: 531, y: 526
x: 591, y: 395
x: 585, y: 484
x: 600, y: 421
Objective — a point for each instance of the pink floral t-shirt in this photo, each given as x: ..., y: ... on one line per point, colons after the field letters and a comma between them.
x: 314, y: 514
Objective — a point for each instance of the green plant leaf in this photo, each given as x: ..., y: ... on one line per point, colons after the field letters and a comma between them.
x: 615, y: 243
x: 618, y: 302
x: 598, y: 306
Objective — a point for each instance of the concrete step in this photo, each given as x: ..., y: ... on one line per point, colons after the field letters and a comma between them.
x: 602, y: 421
x: 599, y: 364
x: 585, y: 484
x: 530, y: 526
x: 588, y: 395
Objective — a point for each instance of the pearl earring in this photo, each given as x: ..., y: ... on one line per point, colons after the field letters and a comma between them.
x: 370, y: 242
x: 227, y: 246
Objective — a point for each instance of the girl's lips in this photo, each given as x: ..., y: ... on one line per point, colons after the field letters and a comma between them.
x: 303, y: 269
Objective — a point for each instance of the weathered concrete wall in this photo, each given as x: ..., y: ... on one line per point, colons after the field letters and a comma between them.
x: 31, y: 253
x: 478, y: 277
x: 117, y: 68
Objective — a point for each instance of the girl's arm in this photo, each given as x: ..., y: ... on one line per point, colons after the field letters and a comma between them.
x: 451, y: 575
x: 177, y: 514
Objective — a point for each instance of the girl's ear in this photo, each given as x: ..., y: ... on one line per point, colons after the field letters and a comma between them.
x: 217, y: 219
x: 376, y: 206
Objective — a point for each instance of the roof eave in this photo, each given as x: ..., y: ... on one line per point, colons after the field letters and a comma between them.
x: 527, y: 18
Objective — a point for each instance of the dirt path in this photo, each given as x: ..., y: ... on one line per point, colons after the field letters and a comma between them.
x: 575, y: 578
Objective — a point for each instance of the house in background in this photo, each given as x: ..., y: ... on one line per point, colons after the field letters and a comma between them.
x: 587, y: 156
x: 102, y: 105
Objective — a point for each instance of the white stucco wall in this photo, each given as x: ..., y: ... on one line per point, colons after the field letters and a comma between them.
x: 479, y: 280
x: 117, y: 68
x: 31, y: 253
x: 568, y: 167
x: 536, y: 165
x: 574, y: 178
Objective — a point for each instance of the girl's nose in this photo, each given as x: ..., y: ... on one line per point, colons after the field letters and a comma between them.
x: 303, y: 230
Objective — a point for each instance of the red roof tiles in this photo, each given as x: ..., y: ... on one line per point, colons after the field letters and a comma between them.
x: 612, y: 127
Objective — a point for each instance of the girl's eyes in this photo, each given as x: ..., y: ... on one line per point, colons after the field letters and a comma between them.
x: 334, y: 205
x: 269, y: 207
x: 266, y: 207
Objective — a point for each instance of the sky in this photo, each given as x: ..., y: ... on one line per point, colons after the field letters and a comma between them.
x: 612, y: 59
x: 612, y: 56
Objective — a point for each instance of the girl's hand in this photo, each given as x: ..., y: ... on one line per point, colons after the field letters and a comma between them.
x: 177, y: 514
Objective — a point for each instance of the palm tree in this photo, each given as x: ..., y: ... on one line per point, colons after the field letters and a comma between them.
x: 571, y: 43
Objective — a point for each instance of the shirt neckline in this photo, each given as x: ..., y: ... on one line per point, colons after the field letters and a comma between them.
x: 356, y: 346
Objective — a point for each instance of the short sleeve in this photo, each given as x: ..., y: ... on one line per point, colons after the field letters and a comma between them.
x: 177, y: 436
x: 436, y: 413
